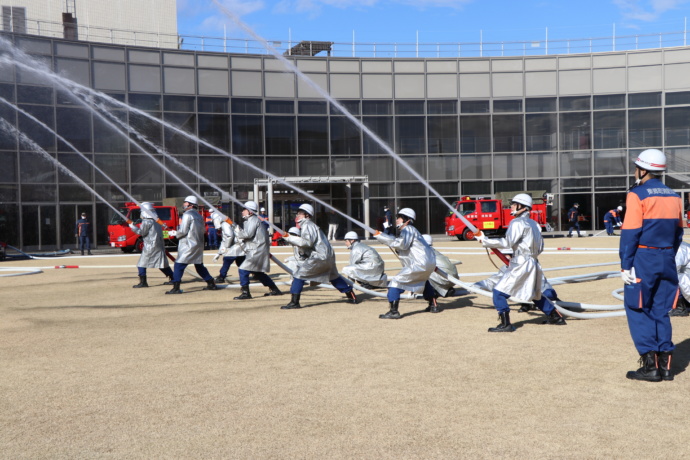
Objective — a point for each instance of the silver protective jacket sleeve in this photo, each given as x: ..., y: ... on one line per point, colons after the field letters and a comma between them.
x: 366, y: 265
x: 229, y: 242
x: 190, y: 236
x: 416, y: 256
x: 683, y: 268
x: 153, y: 255
x: 319, y: 265
x: 438, y: 281
x: 254, y: 238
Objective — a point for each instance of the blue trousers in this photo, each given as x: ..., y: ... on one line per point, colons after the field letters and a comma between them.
x: 84, y: 243
x: 200, y: 269
x: 262, y: 277
x: 394, y: 293
x: 227, y: 263
x: 574, y: 225
x: 166, y: 271
x: 212, y: 238
x: 501, y: 303
x: 649, y: 301
x: 338, y: 283
x: 609, y: 227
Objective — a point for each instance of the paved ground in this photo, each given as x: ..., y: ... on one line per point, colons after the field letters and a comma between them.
x: 90, y: 367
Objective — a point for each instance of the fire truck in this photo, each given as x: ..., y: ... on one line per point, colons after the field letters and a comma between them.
x: 121, y: 236
x: 492, y: 215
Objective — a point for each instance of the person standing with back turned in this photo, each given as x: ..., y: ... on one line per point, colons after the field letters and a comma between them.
x: 82, y: 231
x: 650, y: 237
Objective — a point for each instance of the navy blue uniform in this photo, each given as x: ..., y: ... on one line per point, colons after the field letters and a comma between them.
x: 82, y: 231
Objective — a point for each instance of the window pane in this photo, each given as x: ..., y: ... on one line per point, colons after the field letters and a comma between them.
x: 475, y: 134
x: 508, y: 186
x: 380, y: 168
x: 680, y: 98
x: 443, y: 167
x: 610, y: 183
x: 508, y: 106
x: 540, y: 104
x: 35, y: 168
x: 383, y: 128
x: 280, y: 107
x: 75, y: 126
x: 145, y: 101
x: 508, y: 166
x: 442, y: 107
x: 176, y: 142
x: 246, y: 174
x: 214, y: 129
x: 416, y: 163
x: 644, y: 100
x: 346, y: 166
x: 246, y: 105
x: 576, y: 163
x: 644, y: 128
x: 34, y: 95
x: 474, y: 107
x: 568, y: 104
x: 677, y: 130
x: 541, y: 132
x: 475, y: 188
x: 145, y: 170
x: 213, y: 104
x: 609, y: 101
x: 114, y: 166
x: 215, y: 168
x: 312, y: 135
x: 312, y: 107
x: 247, y: 135
x: 507, y: 133
x: 78, y: 165
x: 410, y: 134
x: 610, y: 162
x: 677, y: 161
x: 542, y: 164
x: 409, y: 107
x: 351, y: 106
x: 108, y: 139
x: 345, y: 137
x: 150, y: 129
x: 609, y: 130
x: 8, y: 172
x: 178, y: 103
x: 313, y: 166
x: 280, y: 136
x: 376, y: 107
x: 575, y: 131
x: 443, y: 134
x: 35, y: 131
x: 281, y: 166
x: 475, y: 166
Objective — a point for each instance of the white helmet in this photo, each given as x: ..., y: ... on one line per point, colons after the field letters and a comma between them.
x: 651, y: 160
x: 191, y: 199
x: 620, y: 208
x: 351, y: 236
x: 148, y: 211
x: 295, y: 231
x: 251, y: 206
x: 309, y: 209
x: 407, y: 212
x: 523, y: 199
x: 429, y: 240
x: 263, y: 209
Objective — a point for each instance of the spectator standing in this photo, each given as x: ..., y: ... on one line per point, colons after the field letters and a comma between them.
x: 82, y: 231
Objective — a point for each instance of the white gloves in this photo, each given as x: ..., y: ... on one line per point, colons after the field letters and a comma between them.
x: 222, y: 250
x: 480, y: 237
x: 628, y: 276
x: 216, y: 257
x: 132, y: 226
x: 172, y: 232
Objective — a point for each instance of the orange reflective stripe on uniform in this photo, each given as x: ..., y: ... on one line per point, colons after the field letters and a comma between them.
x: 633, y: 218
x: 662, y: 207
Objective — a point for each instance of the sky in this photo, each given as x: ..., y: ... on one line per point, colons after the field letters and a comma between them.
x: 433, y: 21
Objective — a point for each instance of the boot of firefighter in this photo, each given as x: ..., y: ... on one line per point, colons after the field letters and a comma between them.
x: 170, y: 281
x: 220, y: 279
x: 273, y: 290
x: 294, y: 303
x: 505, y: 325
x: 433, y: 306
x: 176, y: 289
x: 525, y: 307
x: 665, y: 365
x: 555, y: 318
x: 244, y: 294
x: 393, y: 312
x: 649, y: 372
x: 681, y: 308
x: 351, y: 297
x: 211, y: 285
x: 142, y: 282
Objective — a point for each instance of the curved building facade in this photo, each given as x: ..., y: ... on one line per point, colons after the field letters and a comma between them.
x: 564, y: 124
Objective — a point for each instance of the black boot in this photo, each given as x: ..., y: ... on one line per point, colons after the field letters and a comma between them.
x: 665, y: 365
x: 210, y: 285
x: 681, y: 308
x: 245, y: 295
x: 294, y: 303
x: 555, y: 318
x: 274, y: 291
x: 525, y: 308
x: 649, y: 372
x: 220, y: 279
x: 176, y: 289
x: 433, y: 306
x: 88, y: 252
x: 142, y: 282
x: 393, y: 312
x: 505, y: 325
x: 169, y: 282
x: 351, y: 297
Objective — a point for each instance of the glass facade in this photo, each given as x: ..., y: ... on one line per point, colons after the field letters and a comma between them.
x: 577, y: 147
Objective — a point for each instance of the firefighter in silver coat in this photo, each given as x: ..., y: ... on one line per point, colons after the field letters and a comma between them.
x: 418, y: 261
x: 366, y: 265
x: 230, y: 247
x: 299, y: 256
x: 442, y: 285
x: 254, y: 239
x: 190, y: 246
x: 319, y: 266
x: 683, y: 269
x: 546, y: 289
x: 522, y: 280
x: 153, y: 253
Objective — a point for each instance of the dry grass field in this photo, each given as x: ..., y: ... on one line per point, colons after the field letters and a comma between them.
x: 91, y: 368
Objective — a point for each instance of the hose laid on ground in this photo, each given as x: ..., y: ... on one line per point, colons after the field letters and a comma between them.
x: 22, y: 270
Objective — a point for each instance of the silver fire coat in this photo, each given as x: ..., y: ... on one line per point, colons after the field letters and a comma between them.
x: 489, y: 283
x: 417, y: 258
x: 366, y: 265
x: 297, y: 259
x: 523, y: 276
x: 319, y: 265
x: 153, y: 254
x: 229, y: 242
x: 683, y: 269
x: 254, y: 238
x: 440, y: 283
x: 190, y: 237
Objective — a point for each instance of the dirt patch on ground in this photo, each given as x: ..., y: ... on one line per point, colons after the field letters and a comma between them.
x: 93, y: 368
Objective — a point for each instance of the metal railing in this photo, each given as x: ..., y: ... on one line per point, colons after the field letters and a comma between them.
x: 359, y: 49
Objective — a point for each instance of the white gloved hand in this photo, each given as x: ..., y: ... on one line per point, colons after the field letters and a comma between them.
x: 172, y: 232
x: 480, y: 237
x: 628, y: 277
x: 132, y: 226
x: 222, y: 250
x: 216, y: 257
x: 618, y: 225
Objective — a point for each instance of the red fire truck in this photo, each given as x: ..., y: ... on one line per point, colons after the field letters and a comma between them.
x: 121, y: 236
x: 492, y: 215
